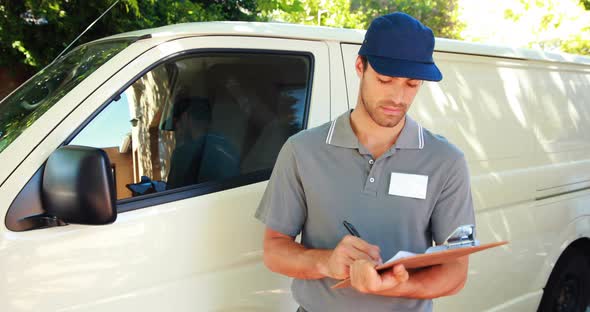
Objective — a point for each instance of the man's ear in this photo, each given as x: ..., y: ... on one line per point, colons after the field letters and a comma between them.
x: 358, y: 65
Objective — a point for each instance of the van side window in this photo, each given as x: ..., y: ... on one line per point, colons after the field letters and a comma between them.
x: 206, y: 118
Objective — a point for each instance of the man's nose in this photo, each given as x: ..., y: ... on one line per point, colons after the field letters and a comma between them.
x: 396, y: 94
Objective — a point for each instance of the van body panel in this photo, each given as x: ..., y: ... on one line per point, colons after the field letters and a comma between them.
x: 203, y: 252
x: 338, y: 95
x: 563, y: 127
x: 354, y: 36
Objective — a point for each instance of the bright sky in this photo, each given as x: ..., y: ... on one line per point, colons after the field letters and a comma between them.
x: 108, y: 128
x: 486, y: 20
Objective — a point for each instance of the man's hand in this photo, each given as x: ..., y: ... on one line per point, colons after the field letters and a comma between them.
x: 350, y: 249
x: 285, y: 256
x: 366, y: 279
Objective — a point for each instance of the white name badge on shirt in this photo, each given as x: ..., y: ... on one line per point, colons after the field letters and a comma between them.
x: 408, y: 185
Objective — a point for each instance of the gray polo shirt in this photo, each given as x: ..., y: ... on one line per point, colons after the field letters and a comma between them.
x: 417, y: 192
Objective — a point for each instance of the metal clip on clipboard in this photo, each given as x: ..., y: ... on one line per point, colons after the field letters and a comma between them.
x: 463, y: 236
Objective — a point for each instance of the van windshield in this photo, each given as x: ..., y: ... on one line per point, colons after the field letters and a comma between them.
x: 23, y: 107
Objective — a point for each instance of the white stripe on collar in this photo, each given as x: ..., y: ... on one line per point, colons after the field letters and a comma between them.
x: 420, y: 137
x: 331, y: 132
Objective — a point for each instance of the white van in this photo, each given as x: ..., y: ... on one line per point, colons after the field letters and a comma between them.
x: 174, y: 131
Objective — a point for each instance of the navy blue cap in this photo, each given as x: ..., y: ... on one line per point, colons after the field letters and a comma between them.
x: 399, y: 45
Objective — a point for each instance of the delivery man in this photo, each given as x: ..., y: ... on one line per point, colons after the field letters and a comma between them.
x: 402, y: 186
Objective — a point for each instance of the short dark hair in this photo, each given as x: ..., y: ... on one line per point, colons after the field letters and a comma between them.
x: 364, y: 60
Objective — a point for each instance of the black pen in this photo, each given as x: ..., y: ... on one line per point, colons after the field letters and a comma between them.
x: 351, y: 229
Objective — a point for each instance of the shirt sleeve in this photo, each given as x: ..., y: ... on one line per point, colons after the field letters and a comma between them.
x: 283, y: 207
x: 454, y: 206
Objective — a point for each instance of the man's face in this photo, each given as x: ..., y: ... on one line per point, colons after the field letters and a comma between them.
x: 386, y: 99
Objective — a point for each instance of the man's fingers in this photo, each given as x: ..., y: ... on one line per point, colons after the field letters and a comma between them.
x: 350, y: 249
x: 388, y: 279
x: 364, y: 277
x: 400, y: 273
x: 397, y: 275
x: 372, y: 250
x: 356, y: 254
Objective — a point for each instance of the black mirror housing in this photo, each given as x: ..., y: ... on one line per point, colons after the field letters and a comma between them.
x: 78, y: 186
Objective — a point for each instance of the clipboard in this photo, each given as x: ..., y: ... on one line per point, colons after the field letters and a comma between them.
x: 460, y: 243
x: 428, y: 259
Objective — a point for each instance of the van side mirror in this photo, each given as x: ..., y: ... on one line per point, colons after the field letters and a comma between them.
x: 78, y: 186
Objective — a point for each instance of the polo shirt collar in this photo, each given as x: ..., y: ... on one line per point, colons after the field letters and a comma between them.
x: 412, y: 135
x: 341, y: 134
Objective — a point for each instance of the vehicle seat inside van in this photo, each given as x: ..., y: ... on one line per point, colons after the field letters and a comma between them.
x: 192, y: 117
x: 230, y: 111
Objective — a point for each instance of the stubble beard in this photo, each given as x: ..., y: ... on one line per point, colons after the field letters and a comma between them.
x: 374, y: 114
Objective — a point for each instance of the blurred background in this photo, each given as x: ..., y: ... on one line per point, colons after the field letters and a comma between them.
x: 34, y: 32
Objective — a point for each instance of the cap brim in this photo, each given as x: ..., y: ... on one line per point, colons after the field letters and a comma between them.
x: 405, y: 68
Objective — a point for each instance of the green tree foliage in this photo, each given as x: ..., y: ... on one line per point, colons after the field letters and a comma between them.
x: 334, y: 13
x: 34, y: 32
x: 440, y: 15
x: 578, y: 43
